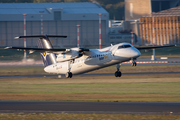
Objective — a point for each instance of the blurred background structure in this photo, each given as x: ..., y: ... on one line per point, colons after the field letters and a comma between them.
x: 58, y: 19
x: 120, y: 20
x: 139, y: 19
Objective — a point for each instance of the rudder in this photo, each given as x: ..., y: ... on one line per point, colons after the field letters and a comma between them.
x: 48, y: 58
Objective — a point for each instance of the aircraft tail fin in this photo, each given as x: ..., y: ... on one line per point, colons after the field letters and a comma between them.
x: 48, y: 58
x: 44, y: 47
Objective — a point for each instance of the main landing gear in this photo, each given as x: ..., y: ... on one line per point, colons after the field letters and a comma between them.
x: 118, y: 73
x: 69, y: 74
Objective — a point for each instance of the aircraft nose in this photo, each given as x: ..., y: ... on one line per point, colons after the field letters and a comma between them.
x: 136, y: 53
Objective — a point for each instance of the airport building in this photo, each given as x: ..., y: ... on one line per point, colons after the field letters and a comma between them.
x: 58, y: 19
x: 139, y: 19
x: 134, y: 9
x: 166, y: 25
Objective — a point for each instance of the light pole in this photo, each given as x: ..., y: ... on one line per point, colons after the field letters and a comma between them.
x: 41, y: 21
x: 78, y: 35
x: 25, y: 54
x: 99, y: 30
x: 132, y: 38
x: 153, y: 56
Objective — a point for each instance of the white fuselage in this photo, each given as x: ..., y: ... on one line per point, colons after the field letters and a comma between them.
x: 96, y: 59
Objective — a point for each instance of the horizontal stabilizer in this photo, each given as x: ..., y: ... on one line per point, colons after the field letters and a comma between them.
x: 154, y: 47
x: 38, y: 49
x: 44, y: 49
x: 41, y: 36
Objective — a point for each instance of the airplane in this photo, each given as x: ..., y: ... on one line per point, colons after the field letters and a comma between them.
x: 75, y: 61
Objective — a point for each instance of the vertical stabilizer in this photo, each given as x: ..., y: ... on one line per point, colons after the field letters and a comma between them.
x: 48, y: 58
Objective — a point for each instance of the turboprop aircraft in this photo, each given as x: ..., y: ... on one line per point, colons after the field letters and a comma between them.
x: 77, y: 60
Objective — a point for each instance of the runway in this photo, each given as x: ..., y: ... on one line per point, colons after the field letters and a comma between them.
x: 98, y: 74
x: 87, y: 107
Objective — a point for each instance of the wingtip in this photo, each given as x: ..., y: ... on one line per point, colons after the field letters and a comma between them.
x: 68, y: 50
x: 16, y: 37
x: 7, y: 47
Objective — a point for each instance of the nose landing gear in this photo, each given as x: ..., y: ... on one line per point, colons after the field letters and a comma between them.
x: 133, y: 62
x: 118, y: 73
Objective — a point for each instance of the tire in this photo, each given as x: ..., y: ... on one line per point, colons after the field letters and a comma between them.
x: 119, y: 74
x: 70, y: 74
x: 116, y: 74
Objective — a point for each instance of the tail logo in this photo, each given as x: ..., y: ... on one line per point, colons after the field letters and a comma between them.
x: 44, y: 53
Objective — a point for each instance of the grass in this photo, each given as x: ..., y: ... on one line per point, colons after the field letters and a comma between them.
x: 154, y: 87
x: 141, y: 69
x: 63, y: 116
x: 92, y: 89
x: 9, y: 71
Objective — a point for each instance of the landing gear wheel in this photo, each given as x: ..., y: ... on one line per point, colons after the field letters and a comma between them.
x: 117, y: 74
x: 133, y: 64
x: 69, y: 75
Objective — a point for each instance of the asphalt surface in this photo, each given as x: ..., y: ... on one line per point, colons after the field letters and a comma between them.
x: 87, y: 107
x: 98, y: 74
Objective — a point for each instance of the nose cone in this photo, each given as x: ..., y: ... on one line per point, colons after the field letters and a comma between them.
x: 136, y: 53
x: 127, y: 53
x: 132, y: 53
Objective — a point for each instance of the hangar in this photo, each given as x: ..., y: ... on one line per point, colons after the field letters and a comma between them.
x: 166, y: 27
x: 58, y: 19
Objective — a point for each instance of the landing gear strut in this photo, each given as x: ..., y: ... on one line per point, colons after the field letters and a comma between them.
x: 118, y: 73
x: 133, y: 62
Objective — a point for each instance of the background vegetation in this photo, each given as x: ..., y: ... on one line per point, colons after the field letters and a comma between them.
x: 114, y: 7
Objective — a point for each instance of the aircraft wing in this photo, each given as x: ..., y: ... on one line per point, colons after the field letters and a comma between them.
x: 154, y: 47
x: 46, y: 50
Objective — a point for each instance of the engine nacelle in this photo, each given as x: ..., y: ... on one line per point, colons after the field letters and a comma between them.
x: 68, y: 56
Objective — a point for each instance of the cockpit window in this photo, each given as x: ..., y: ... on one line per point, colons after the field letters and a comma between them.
x: 120, y: 47
x: 124, y: 46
